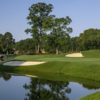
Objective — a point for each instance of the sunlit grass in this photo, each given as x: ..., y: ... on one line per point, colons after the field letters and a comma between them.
x: 93, y: 96
x: 87, y: 67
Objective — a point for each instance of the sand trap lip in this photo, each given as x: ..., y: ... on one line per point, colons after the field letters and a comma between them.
x: 22, y: 63
x: 30, y: 75
x: 74, y: 55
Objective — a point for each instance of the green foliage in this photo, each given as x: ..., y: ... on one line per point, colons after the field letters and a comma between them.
x: 40, y: 20
x: 1, y: 37
x: 57, y: 89
x: 7, y: 42
x: 59, y: 33
x: 88, y: 40
x: 1, y: 51
x: 26, y: 46
x: 74, y: 44
x: 50, y: 44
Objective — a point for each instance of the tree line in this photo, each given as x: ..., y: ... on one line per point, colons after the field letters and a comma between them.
x: 89, y: 39
x: 42, y: 21
x: 50, y: 33
x: 6, y: 43
x: 58, y: 38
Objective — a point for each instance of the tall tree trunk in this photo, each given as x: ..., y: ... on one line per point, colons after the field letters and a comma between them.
x: 39, y: 40
x: 35, y: 48
x: 76, y: 47
x: 38, y: 48
x: 57, y: 51
x: 7, y: 52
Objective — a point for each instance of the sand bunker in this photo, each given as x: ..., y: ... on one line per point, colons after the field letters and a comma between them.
x: 30, y: 75
x: 22, y: 63
x: 74, y: 55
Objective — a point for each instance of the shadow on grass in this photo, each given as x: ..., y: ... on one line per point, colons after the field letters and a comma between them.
x: 41, y: 72
x: 89, y: 84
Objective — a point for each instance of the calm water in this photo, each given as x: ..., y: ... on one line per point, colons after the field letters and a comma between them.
x: 20, y: 87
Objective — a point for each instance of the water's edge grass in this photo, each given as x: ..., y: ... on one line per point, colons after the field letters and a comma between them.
x: 85, y: 68
x: 67, y: 68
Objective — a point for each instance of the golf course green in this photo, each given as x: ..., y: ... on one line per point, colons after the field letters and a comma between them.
x: 87, y: 67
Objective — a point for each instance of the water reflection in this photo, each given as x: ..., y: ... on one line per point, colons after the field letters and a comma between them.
x: 41, y: 89
x: 90, y: 87
x: 5, y: 76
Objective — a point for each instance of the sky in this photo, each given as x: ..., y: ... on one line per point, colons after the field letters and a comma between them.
x: 84, y: 14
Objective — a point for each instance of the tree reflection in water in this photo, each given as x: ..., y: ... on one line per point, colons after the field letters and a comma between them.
x: 41, y: 89
x: 90, y: 87
x: 5, y: 76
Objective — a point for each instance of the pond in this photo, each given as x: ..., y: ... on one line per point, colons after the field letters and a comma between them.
x: 20, y: 87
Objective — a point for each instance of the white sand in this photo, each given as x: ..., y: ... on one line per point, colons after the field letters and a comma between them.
x: 74, y: 55
x: 30, y: 75
x: 22, y: 63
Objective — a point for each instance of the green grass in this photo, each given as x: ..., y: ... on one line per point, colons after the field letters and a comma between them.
x: 87, y: 67
x: 91, y: 53
x: 93, y: 96
x: 67, y: 68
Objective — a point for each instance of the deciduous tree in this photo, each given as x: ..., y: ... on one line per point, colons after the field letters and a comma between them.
x: 26, y: 46
x: 40, y: 20
x: 7, y: 41
x: 60, y: 31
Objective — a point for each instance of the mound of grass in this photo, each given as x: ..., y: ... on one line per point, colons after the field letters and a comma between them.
x: 94, y: 96
x: 87, y: 67
x: 60, y: 57
x: 67, y: 68
x: 91, y: 53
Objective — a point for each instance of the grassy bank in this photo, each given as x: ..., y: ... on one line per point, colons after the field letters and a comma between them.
x: 87, y: 67
x: 87, y: 71
x: 94, y: 96
x: 91, y: 53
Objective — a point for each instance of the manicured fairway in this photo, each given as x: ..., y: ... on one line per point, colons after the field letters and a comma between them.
x: 87, y: 67
x: 57, y: 58
x: 90, y: 57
